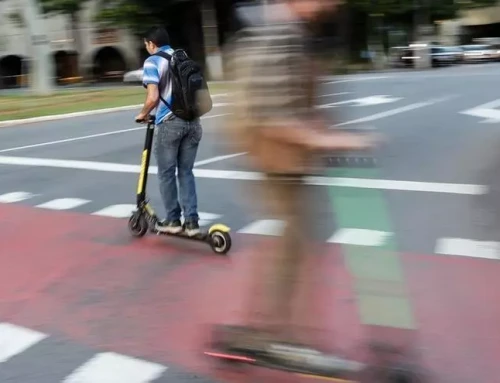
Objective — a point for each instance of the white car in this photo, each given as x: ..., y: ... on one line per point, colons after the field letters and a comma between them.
x: 134, y: 76
x: 476, y: 53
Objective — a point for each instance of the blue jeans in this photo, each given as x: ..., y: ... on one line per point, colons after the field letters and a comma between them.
x: 176, y: 145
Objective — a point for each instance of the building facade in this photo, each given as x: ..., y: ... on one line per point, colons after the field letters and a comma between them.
x: 470, y: 26
x: 83, y: 51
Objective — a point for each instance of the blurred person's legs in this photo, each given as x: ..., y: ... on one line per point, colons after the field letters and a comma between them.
x: 275, y: 271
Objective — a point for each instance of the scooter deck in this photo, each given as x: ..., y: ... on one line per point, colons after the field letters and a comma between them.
x: 201, y: 236
x: 302, y: 371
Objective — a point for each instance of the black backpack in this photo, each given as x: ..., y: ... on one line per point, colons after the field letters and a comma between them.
x: 190, y: 95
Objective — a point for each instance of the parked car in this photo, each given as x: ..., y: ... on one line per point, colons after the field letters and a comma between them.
x: 457, y: 54
x: 495, y: 52
x: 407, y: 57
x: 442, y: 56
x: 134, y: 77
x: 478, y: 53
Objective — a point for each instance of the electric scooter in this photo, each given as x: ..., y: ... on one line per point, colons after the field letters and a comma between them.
x: 384, y: 363
x: 144, y: 218
x: 291, y: 358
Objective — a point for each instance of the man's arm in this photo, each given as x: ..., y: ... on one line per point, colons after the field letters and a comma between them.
x: 151, y: 79
x: 152, y: 98
x: 294, y: 132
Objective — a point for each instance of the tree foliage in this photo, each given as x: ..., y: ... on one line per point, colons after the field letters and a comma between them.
x: 436, y: 9
x: 129, y: 14
x: 67, y: 7
x: 136, y: 14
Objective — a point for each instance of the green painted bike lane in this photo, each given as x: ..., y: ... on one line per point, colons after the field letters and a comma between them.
x: 377, y: 271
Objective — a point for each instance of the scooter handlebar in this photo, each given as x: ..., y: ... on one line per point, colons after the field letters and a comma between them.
x: 148, y: 120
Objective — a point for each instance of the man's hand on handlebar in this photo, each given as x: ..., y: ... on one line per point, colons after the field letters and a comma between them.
x: 144, y: 119
x: 345, y: 141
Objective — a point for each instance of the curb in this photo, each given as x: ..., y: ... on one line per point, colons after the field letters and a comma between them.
x: 56, y: 117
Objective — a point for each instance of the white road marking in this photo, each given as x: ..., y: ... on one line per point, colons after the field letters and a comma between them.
x: 393, y: 112
x: 87, y: 137
x: 468, y: 248
x: 355, y: 79
x: 15, y: 197
x: 15, y: 340
x: 271, y: 227
x: 415, y: 186
x: 73, y: 139
x: 116, y: 211
x: 487, y: 112
x: 361, y: 183
x: 63, y: 203
x: 126, y: 210
x: 417, y: 75
x: 360, y: 237
x: 207, y: 218
x: 333, y: 94
x: 218, y: 158
x: 115, y: 368
x: 363, y: 101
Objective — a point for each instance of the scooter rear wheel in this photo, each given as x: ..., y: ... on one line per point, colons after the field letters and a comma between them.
x: 137, y: 225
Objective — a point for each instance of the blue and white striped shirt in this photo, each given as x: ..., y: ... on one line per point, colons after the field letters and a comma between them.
x: 156, y: 72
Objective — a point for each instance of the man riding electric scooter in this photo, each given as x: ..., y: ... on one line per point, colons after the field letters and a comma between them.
x: 176, y: 137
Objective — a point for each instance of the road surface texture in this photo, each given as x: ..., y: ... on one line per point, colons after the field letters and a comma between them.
x: 81, y: 301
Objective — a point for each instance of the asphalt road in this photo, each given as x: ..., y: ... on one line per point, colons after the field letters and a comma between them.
x: 437, y: 173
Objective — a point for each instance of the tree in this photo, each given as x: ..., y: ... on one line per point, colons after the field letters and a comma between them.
x: 131, y: 14
x: 41, y: 65
x: 436, y: 9
x: 72, y: 9
x: 184, y: 20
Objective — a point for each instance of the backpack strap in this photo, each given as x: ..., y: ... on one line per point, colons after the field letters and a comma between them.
x: 167, y: 57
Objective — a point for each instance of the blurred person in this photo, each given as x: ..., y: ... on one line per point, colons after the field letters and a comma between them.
x: 276, y: 122
x: 176, y: 140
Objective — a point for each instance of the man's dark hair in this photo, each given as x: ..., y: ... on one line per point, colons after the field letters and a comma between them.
x: 158, y: 36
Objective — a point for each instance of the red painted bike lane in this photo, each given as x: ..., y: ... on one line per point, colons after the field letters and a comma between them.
x: 84, y: 277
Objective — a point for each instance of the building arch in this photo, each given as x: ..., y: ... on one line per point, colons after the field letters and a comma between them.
x: 65, y: 66
x: 109, y: 64
x: 12, y: 67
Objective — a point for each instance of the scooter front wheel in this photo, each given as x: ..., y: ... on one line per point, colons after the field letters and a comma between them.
x: 220, y: 242
x: 137, y: 225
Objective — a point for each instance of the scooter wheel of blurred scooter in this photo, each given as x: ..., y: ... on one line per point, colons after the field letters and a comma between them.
x: 137, y: 225
x: 404, y: 374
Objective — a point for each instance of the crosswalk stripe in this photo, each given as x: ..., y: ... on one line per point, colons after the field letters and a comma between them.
x: 271, y: 227
x: 15, y: 197
x: 110, y: 367
x: 63, y: 203
x: 207, y: 218
x: 468, y: 248
x: 125, y: 210
x: 15, y: 340
x: 116, y: 211
x: 359, y: 237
